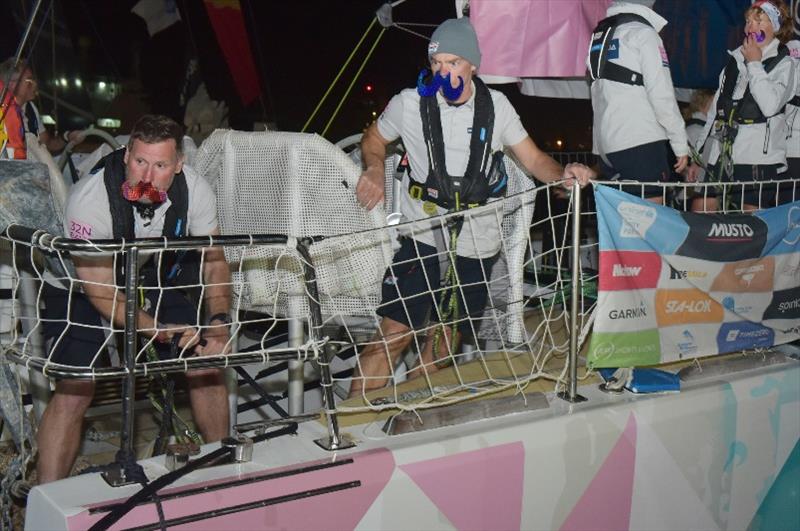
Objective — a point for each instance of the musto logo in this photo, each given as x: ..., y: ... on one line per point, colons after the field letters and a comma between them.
x: 723, y: 238
x: 686, y: 306
x: 738, y: 232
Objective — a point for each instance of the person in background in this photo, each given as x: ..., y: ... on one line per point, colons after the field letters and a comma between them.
x: 745, y: 134
x: 697, y: 116
x: 23, y: 115
x: 790, y: 191
x: 636, y: 115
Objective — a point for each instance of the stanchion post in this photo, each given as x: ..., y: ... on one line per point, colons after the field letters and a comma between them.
x: 116, y: 476
x: 571, y: 394
x: 334, y: 441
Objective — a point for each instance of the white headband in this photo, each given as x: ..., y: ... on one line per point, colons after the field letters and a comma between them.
x: 772, y: 12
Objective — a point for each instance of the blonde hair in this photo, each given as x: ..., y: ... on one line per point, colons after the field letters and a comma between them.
x: 785, y: 32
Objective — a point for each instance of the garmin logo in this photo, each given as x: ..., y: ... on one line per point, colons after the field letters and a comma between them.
x: 789, y: 305
x: 697, y: 306
x: 730, y: 231
x: 625, y: 271
x: 628, y: 313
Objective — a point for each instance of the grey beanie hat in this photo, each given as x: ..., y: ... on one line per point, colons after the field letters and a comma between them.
x: 458, y: 37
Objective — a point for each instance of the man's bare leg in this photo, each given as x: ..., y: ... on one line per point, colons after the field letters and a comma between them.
x: 447, y: 344
x: 376, y: 362
x: 209, y: 398
x: 61, y: 427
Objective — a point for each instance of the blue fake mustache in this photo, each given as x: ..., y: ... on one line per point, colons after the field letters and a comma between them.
x: 439, y: 82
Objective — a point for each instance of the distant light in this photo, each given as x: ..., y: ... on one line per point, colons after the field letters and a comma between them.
x: 559, y: 143
x: 374, y: 113
x: 109, y: 123
x: 63, y: 82
x: 101, y: 85
x: 368, y: 88
x: 78, y: 82
x: 48, y: 120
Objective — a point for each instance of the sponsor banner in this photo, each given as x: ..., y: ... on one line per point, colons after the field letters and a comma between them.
x: 686, y: 306
x: 723, y: 282
x: 733, y: 337
x: 689, y: 341
x: 624, y: 270
x: 623, y: 313
x: 633, y: 224
x: 746, y: 276
x: 625, y: 349
x: 723, y: 238
x: 784, y: 227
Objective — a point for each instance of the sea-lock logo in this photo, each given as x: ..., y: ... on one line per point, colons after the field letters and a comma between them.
x: 686, y: 306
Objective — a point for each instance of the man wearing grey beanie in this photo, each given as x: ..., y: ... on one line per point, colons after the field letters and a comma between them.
x: 454, y: 130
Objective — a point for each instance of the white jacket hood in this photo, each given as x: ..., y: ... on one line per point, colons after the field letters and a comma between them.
x: 657, y: 21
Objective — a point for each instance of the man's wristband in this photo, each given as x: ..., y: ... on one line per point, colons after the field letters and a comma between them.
x: 222, y: 316
x: 65, y: 136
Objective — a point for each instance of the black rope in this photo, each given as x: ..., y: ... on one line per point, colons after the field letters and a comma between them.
x: 149, y: 491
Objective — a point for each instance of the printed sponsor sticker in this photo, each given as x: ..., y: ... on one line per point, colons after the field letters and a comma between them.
x: 613, y: 49
x: 746, y: 276
x: 664, y: 58
x: 785, y: 305
x: 624, y: 270
x: 723, y: 238
x: 636, y: 219
x: 624, y: 349
x: 743, y: 335
x: 686, y: 306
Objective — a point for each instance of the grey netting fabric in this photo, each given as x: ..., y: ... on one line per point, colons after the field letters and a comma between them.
x: 297, y: 185
x: 505, y: 322
x: 25, y: 196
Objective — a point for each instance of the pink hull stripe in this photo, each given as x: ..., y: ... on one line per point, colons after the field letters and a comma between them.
x: 480, y: 490
x: 340, y: 510
x: 606, y: 502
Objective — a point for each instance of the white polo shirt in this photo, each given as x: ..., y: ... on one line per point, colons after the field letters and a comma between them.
x: 401, y: 118
x: 88, y: 214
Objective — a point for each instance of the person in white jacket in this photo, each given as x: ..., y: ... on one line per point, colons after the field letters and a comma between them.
x: 636, y: 116
x: 746, y: 131
x: 790, y: 191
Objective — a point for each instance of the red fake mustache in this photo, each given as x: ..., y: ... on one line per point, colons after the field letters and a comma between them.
x: 142, y: 189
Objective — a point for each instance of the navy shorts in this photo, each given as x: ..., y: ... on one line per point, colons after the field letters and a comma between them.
x: 752, y: 194
x: 411, y: 286
x: 790, y: 191
x: 647, y: 163
x: 83, y: 338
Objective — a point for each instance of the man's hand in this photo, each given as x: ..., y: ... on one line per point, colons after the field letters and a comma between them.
x: 370, y: 187
x: 216, y: 342
x: 750, y: 49
x: 692, y: 173
x: 683, y: 161
x: 575, y: 171
x: 190, y: 336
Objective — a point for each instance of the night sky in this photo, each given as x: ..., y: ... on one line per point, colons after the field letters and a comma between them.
x: 298, y: 48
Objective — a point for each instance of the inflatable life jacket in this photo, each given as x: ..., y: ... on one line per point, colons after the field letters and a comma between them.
x: 745, y: 110
x: 13, y: 129
x: 481, y: 180
x: 175, y: 221
x: 603, y: 43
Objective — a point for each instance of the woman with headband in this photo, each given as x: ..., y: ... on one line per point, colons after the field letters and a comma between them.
x: 746, y: 133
